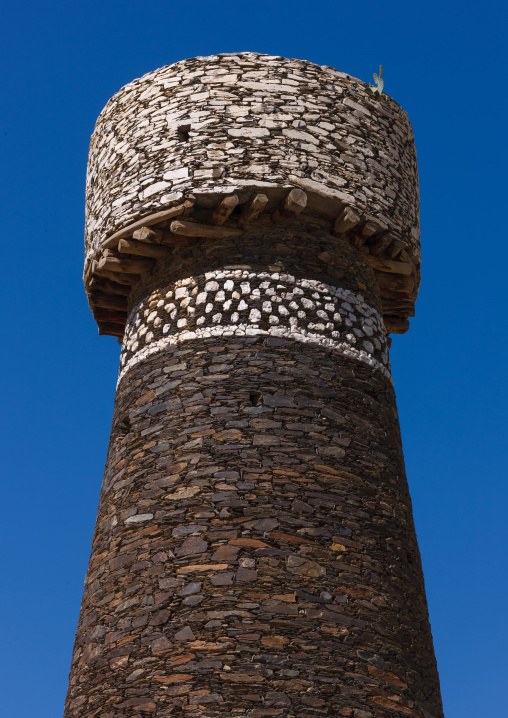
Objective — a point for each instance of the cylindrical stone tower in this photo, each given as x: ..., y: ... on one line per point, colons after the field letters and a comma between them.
x: 252, y: 237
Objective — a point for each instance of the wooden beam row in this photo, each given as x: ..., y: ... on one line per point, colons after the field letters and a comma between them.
x: 132, y: 252
x: 182, y: 209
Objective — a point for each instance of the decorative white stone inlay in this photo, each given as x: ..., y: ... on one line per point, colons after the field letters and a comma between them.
x: 243, y: 303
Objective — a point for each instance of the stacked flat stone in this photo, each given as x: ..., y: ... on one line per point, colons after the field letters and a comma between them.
x: 254, y: 553
x: 233, y: 122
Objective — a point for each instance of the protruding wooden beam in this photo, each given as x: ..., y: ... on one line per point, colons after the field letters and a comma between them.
x: 368, y: 229
x: 131, y: 246
x: 148, y: 235
x: 155, y: 237
x: 398, y: 306
x: 404, y: 256
x: 346, y: 220
x: 128, y: 280
x: 106, y: 315
x: 222, y: 212
x: 381, y: 243
x: 394, y: 285
x: 206, y: 231
x: 360, y: 236
x: 106, y: 285
x: 188, y: 207
x: 110, y: 330
x: 110, y: 253
x: 251, y: 210
x: 294, y: 203
x: 396, y: 325
x: 108, y: 301
x: 125, y: 266
x: 396, y: 248
x: 389, y: 265
x: 148, y: 222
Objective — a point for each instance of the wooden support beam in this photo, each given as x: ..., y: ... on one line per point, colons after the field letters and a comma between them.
x: 148, y: 235
x: 159, y: 237
x: 108, y: 301
x: 389, y: 265
x: 148, y: 222
x: 362, y: 235
x: 110, y: 330
x: 131, y: 246
x: 294, y: 203
x: 128, y: 280
x: 125, y: 266
x: 110, y: 253
x: 398, y: 306
x: 396, y: 248
x: 358, y: 238
x: 368, y: 229
x: 346, y: 220
x: 396, y: 325
x: 381, y: 244
x: 188, y: 207
x: 106, y: 285
x: 394, y: 285
x: 251, y: 210
x: 107, y: 315
x: 222, y: 212
x: 206, y: 231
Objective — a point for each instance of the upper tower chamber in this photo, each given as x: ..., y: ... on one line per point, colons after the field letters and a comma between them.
x: 210, y: 127
x: 252, y: 238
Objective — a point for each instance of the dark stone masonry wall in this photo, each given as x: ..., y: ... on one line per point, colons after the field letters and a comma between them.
x: 254, y: 553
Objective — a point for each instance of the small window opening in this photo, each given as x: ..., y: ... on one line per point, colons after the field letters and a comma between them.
x: 255, y: 398
x: 183, y: 133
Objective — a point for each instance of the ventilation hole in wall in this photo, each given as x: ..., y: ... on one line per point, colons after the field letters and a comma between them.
x: 255, y: 398
x: 183, y: 133
x: 124, y: 426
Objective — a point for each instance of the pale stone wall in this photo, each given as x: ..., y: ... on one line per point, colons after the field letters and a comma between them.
x: 231, y: 123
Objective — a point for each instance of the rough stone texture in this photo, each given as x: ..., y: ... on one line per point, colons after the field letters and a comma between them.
x: 254, y: 553
x: 233, y: 122
x: 273, y: 569
x: 277, y: 282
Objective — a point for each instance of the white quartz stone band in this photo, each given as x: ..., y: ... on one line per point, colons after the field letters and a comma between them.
x: 247, y: 303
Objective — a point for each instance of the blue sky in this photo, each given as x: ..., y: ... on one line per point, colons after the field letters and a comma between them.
x: 444, y: 63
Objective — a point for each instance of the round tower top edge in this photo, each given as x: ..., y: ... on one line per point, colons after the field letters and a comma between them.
x: 244, y: 122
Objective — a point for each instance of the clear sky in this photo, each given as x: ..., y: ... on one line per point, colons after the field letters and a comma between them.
x: 444, y: 63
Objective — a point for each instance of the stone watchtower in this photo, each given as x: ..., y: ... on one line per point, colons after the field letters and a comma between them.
x: 251, y: 239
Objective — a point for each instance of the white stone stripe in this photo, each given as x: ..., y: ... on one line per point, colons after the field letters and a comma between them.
x: 252, y: 330
x: 225, y: 303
